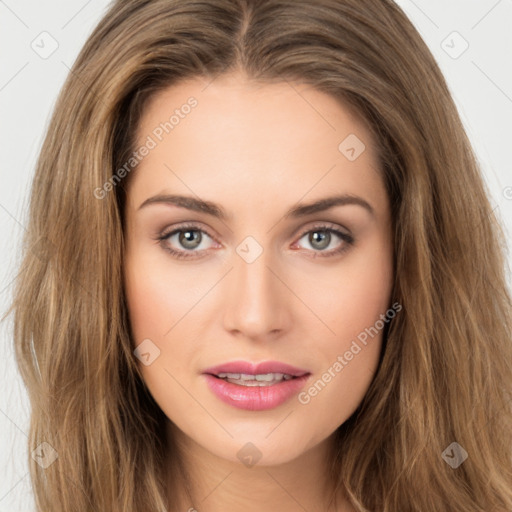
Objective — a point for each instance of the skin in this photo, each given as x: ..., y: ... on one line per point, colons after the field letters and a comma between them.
x: 256, y: 151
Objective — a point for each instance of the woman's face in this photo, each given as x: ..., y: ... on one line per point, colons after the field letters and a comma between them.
x: 257, y: 233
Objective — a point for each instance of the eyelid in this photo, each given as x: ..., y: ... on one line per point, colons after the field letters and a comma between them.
x: 347, y: 239
x: 192, y: 226
x: 198, y: 227
x: 340, y: 231
x: 326, y: 226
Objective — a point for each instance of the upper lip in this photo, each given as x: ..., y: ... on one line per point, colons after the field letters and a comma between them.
x: 256, y: 368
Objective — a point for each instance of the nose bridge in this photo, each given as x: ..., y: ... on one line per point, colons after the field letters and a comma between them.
x: 255, y: 305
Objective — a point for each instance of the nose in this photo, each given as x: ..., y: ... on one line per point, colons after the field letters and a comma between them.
x: 258, y: 303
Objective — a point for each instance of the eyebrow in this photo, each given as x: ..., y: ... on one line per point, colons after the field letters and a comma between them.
x: 302, y: 210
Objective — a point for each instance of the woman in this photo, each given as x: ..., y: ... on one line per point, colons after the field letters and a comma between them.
x: 263, y: 271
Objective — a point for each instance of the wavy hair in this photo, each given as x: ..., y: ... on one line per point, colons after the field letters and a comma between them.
x: 445, y: 373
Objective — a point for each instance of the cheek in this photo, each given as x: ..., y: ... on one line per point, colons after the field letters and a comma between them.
x: 352, y: 297
x: 157, y: 296
x: 355, y: 304
x: 147, y: 306
x: 165, y: 306
x: 158, y: 301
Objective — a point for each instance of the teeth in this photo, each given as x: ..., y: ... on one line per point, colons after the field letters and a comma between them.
x: 229, y: 375
x: 267, y: 377
x: 245, y: 379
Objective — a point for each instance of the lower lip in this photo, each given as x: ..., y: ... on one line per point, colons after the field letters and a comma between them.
x: 255, y: 398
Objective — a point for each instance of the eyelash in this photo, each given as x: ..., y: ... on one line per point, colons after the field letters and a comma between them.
x: 184, y: 254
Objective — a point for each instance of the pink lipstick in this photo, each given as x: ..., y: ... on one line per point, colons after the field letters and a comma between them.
x: 255, y: 387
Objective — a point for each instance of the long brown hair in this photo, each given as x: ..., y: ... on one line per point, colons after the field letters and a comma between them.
x: 445, y: 374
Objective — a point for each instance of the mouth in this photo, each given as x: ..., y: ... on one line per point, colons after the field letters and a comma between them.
x: 261, y: 380
x: 255, y: 387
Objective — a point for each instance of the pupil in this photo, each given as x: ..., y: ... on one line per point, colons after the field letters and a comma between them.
x: 320, y: 239
x: 190, y: 239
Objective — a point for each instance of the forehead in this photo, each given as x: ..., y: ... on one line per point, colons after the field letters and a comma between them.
x: 231, y: 134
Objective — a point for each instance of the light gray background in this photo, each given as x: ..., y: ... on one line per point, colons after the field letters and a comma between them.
x: 480, y: 79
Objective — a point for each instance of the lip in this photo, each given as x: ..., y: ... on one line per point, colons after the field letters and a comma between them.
x: 256, y: 368
x: 255, y: 398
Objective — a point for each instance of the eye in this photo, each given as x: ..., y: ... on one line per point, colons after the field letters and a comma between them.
x: 185, y: 241
x: 190, y: 241
x: 320, y: 238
